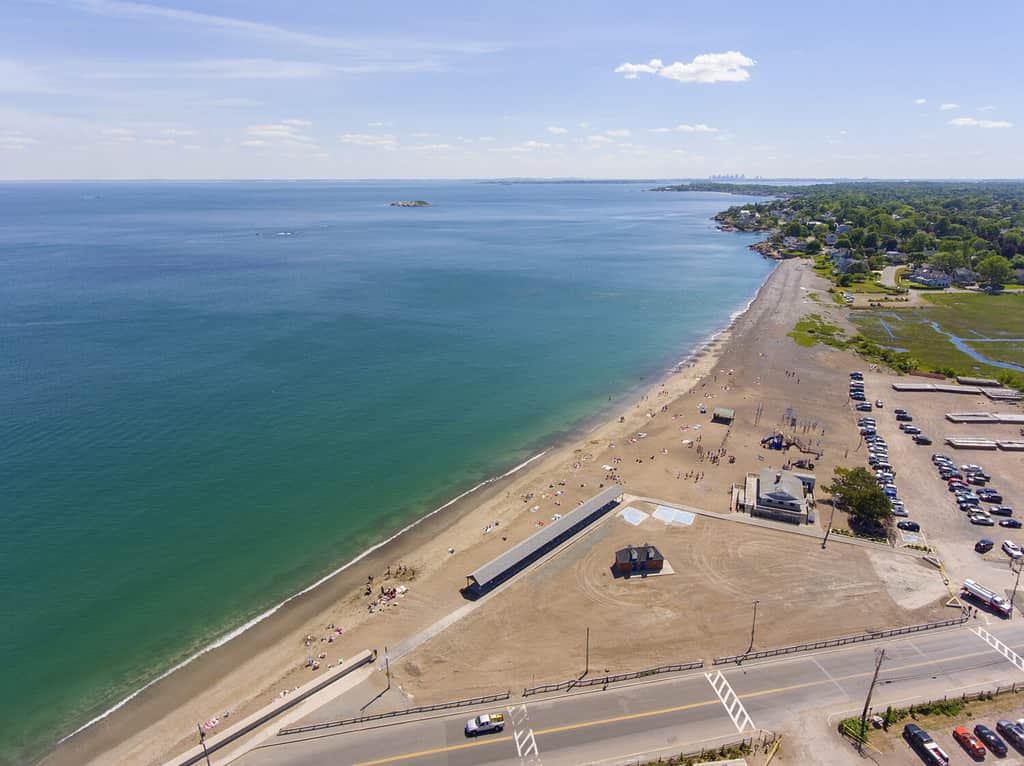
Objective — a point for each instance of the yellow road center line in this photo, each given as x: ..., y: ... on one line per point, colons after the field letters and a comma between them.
x: 435, y: 751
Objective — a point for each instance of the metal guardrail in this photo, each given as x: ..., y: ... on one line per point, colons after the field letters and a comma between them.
x: 737, y: 658
x: 601, y: 680
x: 396, y: 713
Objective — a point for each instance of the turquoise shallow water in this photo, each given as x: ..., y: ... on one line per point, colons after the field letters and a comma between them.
x: 213, y: 394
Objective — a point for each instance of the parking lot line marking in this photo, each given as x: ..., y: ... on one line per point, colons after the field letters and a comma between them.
x: 730, y: 701
x: 999, y: 646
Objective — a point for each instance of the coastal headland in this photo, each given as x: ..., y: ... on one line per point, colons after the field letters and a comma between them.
x: 659, y: 444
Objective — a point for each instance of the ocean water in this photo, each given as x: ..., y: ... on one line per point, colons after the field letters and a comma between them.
x: 212, y: 394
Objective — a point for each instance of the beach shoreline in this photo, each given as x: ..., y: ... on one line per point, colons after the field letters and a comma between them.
x: 156, y: 703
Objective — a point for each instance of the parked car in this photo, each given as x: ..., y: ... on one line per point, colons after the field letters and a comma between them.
x: 969, y: 742
x: 969, y: 467
x: 912, y: 430
x: 1012, y: 732
x: 984, y: 545
x: 925, y: 746
x: 1012, y: 550
x: 879, y: 403
x: 864, y: 406
x: 990, y: 496
x: 937, y: 456
x: 967, y: 505
x: 867, y: 431
x: 976, y: 480
x: 909, y: 526
x: 981, y: 520
x: 922, y: 439
x: 899, y: 411
x: 858, y: 396
x: 1001, y: 510
x: 991, y: 740
x: 904, y: 417
x: 857, y: 375
x: 1010, y: 523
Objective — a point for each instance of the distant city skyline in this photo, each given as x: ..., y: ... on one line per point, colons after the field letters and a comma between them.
x: 180, y: 89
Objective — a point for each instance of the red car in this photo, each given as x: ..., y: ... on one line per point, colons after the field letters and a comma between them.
x: 969, y: 742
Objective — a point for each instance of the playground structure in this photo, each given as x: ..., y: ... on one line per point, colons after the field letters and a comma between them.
x: 782, y: 442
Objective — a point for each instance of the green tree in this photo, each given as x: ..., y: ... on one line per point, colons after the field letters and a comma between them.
x: 813, y: 247
x: 857, y: 493
x: 994, y: 271
x: 795, y: 229
x: 947, y: 260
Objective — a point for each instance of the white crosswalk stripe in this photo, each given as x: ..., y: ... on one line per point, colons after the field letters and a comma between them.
x: 522, y: 735
x: 999, y: 646
x: 730, y: 701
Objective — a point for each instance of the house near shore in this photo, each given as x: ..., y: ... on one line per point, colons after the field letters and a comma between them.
x: 638, y: 559
x: 964, y: 277
x: 928, y: 277
x: 895, y: 257
x: 831, y: 238
x: 778, y: 494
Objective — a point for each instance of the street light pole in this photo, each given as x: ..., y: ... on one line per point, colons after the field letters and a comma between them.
x: 587, y: 668
x: 831, y: 517
x: 202, y: 741
x: 753, y: 626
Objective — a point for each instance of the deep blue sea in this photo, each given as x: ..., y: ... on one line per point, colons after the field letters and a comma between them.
x: 211, y: 394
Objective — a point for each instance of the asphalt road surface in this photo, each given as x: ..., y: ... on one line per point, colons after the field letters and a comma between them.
x: 675, y: 714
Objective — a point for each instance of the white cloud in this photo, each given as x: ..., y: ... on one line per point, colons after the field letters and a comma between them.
x: 160, y: 142
x: 16, y: 77
x: 430, y: 148
x: 700, y: 127
x: 557, y: 131
x: 986, y: 108
x: 486, y: 138
x: 620, y: 133
x: 16, y: 143
x: 385, y: 141
x: 121, y: 135
x: 254, y: 142
x: 920, y: 101
x: 971, y: 122
x: 526, y: 146
x: 297, y: 123
x: 584, y: 125
x: 213, y: 69
x: 948, y: 107
x: 599, y: 139
x: 177, y: 132
x: 284, y: 130
x: 382, y: 124
x: 414, y: 135
x: 731, y: 66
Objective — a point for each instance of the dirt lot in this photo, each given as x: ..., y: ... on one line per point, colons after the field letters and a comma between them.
x: 927, y: 498
x: 702, y: 610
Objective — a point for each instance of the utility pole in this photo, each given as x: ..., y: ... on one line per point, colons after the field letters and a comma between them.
x: 387, y: 668
x: 586, y: 669
x: 202, y: 741
x: 753, y: 626
x: 1020, y: 566
x: 867, y: 702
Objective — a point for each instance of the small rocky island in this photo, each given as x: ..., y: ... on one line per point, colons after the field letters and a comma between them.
x: 411, y: 203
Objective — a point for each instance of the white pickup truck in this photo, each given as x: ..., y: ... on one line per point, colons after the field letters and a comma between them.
x: 484, y: 724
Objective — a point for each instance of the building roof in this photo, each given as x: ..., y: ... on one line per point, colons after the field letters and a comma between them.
x: 543, y: 537
x: 724, y: 413
x: 782, y: 486
x: 643, y: 552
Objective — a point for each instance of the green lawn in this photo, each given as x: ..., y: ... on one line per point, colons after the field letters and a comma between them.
x: 1001, y: 352
x: 812, y: 329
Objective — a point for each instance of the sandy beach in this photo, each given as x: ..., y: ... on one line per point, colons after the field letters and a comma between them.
x: 752, y: 367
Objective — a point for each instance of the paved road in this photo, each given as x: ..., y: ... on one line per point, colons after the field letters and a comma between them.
x: 675, y: 714
x: 889, y: 276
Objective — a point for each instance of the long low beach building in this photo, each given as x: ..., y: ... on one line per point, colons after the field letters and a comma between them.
x: 546, y: 539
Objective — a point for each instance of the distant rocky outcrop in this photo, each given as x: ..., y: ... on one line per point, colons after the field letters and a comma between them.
x: 411, y: 203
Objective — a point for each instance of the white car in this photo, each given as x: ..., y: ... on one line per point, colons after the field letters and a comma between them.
x: 1012, y: 550
x: 483, y: 724
x: 879, y: 404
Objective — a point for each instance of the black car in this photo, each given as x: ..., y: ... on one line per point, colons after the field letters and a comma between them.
x: 984, y: 545
x: 904, y: 417
x: 900, y: 411
x: 967, y: 505
x: 922, y: 439
x: 976, y: 480
x: 1010, y: 523
x: 864, y: 406
x: 909, y: 526
x: 1001, y: 510
x: 1012, y: 732
x: 912, y: 430
x: 990, y: 497
x: 990, y: 740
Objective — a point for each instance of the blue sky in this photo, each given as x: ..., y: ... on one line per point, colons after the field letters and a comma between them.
x: 256, y: 89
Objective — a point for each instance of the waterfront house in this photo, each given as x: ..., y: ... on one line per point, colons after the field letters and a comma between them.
x: 843, y: 228
x: 777, y: 494
x: 895, y: 257
x: 964, y: 277
x: 929, y: 277
x: 831, y: 238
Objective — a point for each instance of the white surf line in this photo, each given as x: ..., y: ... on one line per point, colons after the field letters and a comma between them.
x: 730, y: 701
x: 261, y: 617
x: 999, y: 646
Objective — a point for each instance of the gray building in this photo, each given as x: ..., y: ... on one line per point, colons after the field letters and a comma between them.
x: 777, y: 494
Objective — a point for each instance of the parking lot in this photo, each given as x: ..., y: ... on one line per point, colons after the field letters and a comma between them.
x: 926, y: 496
